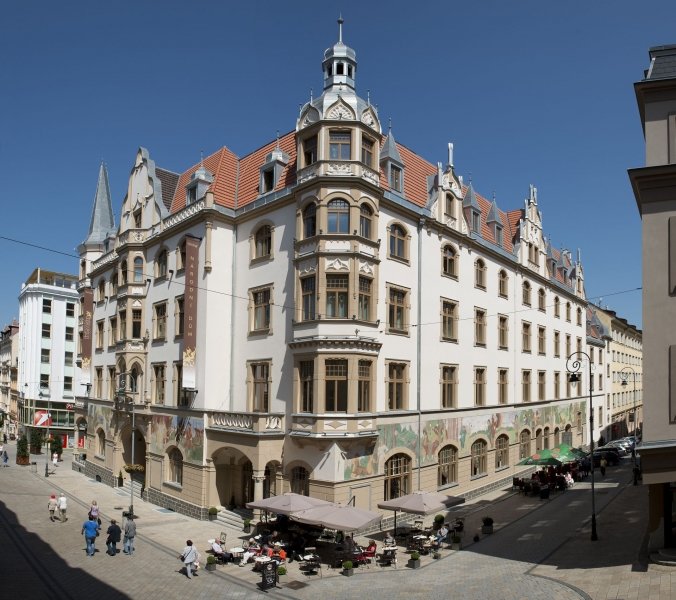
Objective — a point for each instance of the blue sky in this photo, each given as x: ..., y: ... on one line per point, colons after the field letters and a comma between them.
x: 529, y: 92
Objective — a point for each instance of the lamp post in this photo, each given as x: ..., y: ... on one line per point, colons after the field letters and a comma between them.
x: 574, y: 368
x: 624, y: 375
x: 122, y: 400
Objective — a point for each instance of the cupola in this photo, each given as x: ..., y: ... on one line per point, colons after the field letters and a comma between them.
x: 198, y: 185
x: 340, y: 63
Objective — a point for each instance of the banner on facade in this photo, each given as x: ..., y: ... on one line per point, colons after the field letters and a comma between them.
x: 190, y: 312
x: 88, y: 311
x: 42, y: 419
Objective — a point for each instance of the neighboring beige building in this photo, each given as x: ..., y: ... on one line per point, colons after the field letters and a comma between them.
x: 9, y: 357
x: 655, y: 189
x: 624, y: 374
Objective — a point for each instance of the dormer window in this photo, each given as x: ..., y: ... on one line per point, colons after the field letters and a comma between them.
x: 476, y: 221
x: 395, y: 178
x: 367, y: 151
x: 498, y: 235
x: 268, y: 179
x: 340, y: 145
x: 191, y: 195
x: 449, y: 213
x: 310, y: 151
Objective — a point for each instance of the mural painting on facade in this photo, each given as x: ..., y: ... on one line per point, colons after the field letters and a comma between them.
x: 186, y: 433
x: 363, y: 462
x: 99, y: 417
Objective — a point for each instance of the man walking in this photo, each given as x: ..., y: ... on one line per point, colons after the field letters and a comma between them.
x: 129, y: 535
x: 90, y: 529
x: 114, y: 534
x: 62, y: 505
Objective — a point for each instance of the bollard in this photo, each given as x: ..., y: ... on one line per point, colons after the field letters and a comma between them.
x: 34, y: 467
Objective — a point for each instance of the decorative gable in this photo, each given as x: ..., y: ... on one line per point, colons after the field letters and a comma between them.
x: 340, y: 111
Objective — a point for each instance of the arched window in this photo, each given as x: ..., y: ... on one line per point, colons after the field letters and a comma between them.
x: 175, y: 463
x: 263, y: 241
x: 557, y: 437
x: 101, y: 443
x: 579, y: 316
x: 300, y: 481
x: 568, y: 309
x: 138, y: 269
x: 310, y: 220
x: 398, y: 242
x: 101, y: 290
x: 538, y: 440
x: 557, y: 307
x: 448, y: 466
x: 546, y: 438
x: 397, y: 476
x: 123, y: 272
x: 480, y: 274
x: 365, y: 221
x: 503, y: 283
x: 338, y: 216
x: 134, y: 378
x: 542, y: 300
x: 526, y: 293
x: 450, y: 261
x: 161, y: 269
x: 502, y: 452
x: 479, y: 458
x: 524, y: 444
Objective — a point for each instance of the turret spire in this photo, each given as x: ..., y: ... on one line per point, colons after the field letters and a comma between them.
x: 102, y: 224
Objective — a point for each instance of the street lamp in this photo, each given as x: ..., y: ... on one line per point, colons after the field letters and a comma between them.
x: 624, y: 375
x: 574, y: 368
x: 121, y: 401
x: 49, y: 410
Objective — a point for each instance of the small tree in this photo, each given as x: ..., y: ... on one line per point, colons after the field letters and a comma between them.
x: 22, y: 454
x: 36, y: 442
x: 56, y: 446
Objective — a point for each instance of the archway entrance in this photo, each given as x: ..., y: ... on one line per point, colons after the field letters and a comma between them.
x: 139, y: 453
x: 234, y: 477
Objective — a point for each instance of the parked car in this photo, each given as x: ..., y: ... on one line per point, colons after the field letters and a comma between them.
x: 611, y: 454
x: 621, y: 448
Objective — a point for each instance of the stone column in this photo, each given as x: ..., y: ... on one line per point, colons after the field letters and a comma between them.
x: 259, y: 478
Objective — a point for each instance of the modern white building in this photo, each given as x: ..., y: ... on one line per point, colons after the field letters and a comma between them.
x: 330, y: 314
x: 48, y: 378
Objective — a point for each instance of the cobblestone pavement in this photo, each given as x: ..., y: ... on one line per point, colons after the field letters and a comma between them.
x: 541, y: 549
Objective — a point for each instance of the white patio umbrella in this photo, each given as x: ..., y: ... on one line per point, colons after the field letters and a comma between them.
x: 420, y: 503
x: 337, y: 516
x: 288, y: 503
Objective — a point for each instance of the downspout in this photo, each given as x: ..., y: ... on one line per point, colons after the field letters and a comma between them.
x: 418, y: 350
x: 231, y: 401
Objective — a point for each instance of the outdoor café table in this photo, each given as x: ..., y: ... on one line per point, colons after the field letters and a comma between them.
x: 236, y: 552
x: 259, y: 561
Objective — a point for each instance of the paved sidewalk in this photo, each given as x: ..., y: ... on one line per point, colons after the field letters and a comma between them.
x: 540, y: 549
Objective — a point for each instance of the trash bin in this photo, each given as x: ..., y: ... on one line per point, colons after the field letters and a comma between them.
x: 34, y: 467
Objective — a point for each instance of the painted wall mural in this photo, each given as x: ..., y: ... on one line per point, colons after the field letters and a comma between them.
x: 186, y: 433
x: 99, y: 417
x: 361, y: 461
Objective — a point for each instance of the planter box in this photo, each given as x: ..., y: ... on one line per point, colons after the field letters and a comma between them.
x: 487, y: 529
x: 23, y: 460
x: 213, y: 517
x: 413, y: 564
x: 210, y: 566
x: 348, y: 572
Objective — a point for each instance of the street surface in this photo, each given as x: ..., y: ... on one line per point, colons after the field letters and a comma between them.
x: 541, y: 549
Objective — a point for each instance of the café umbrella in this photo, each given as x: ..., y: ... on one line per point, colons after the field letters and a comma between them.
x: 343, y: 517
x: 286, y: 504
x: 420, y: 503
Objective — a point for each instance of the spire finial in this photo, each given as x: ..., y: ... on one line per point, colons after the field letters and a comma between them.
x: 389, y: 125
x: 202, y: 158
x: 277, y: 147
x: 368, y: 97
x: 310, y: 94
x: 340, y: 29
x: 450, y: 154
x: 470, y: 177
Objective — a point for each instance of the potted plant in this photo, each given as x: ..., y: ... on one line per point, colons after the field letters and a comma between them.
x: 247, y: 525
x: 213, y: 513
x: 281, y: 573
x: 414, y: 560
x: 487, y: 527
x: 211, y: 563
x: 22, y: 455
x: 348, y: 569
x: 120, y: 479
x: 456, y: 540
x: 438, y: 522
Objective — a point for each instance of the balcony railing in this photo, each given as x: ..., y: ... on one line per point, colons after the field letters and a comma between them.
x: 247, y: 422
x: 334, y: 425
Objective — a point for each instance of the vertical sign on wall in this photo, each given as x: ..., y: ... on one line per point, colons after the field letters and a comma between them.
x: 190, y: 314
x: 88, y: 310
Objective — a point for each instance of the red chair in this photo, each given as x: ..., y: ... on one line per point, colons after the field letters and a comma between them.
x: 367, y: 555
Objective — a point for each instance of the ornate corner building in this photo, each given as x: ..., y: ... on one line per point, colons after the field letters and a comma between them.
x: 330, y: 314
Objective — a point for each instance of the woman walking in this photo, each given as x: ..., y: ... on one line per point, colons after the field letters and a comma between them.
x: 189, y: 557
x: 51, y: 506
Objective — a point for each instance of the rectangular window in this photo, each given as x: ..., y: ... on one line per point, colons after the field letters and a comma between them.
x: 70, y: 334
x: 542, y: 385
x: 136, y: 323
x: 44, y: 382
x: 449, y: 321
x: 339, y: 145
x: 449, y: 386
x: 181, y: 396
x: 336, y: 296
x: 479, y: 386
x: 479, y: 327
x: 364, y: 386
x: 260, y: 384
x: 364, y: 298
x: 159, y: 372
x: 45, y: 355
x: 503, y: 332
x: 396, y: 386
x: 68, y: 359
x: 67, y: 384
x: 336, y: 386
x: 123, y: 324
x: 542, y: 347
x: 179, y: 316
x: 525, y: 336
x: 99, y: 335
x: 307, y: 285
x: 261, y: 309
x: 98, y: 382
x: 112, y: 392
x: 306, y: 372
x: 557, y: 385
x: 525, y: 386
x: 557, y: 344
x: 503, y: 386
x: 367, y: 151
x: 161, y: 321
x: 395, y: 178
x: 568, y: 341
x: 46, y: 330
x: 579, y: 344
x: 70, y: 309
x: 397, y: 311
x: 310, y: 151
x: 47, y: 306
x: 112, y: 331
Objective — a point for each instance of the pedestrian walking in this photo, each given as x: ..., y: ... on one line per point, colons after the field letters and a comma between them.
x: 62, y: 506
x: 90, y: 529
x: 5, y: 459
x: 129, y: 535
x: 189, y: 557
x: 94, y: 512
x: 603, y: 463
x: 51, y: 506
x: 4, y: 438
x: 114, y: 534
x: 55, y: 459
